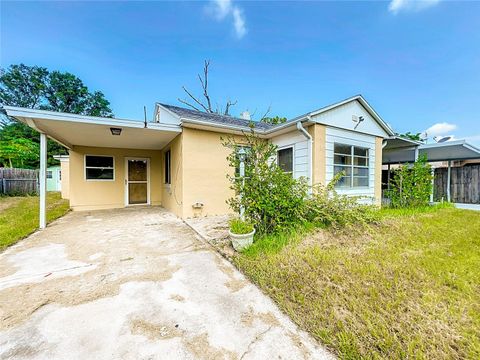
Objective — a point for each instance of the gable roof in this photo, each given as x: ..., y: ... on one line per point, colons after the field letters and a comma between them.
x: 190, y: 114
x: 261, y: 127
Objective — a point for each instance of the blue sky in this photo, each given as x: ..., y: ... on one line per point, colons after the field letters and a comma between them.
x: 417, y: 63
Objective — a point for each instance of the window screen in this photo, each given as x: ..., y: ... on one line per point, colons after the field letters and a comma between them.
x: 353, y: 162
x: 285, y: 159
x: 99, y: 167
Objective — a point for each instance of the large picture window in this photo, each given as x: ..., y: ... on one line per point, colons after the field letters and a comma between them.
x: 99, y: 167
x: 168, y: 167
x: 285, y: 159
x: 354, y: 162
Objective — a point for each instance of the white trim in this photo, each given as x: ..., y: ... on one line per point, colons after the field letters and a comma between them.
x: 85, y: 168
x: 126, y: 182
x: 95, y: 120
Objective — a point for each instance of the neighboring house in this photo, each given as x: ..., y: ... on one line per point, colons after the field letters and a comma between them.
x: 178, y: 160
x: 64, y: 174
x: 54, y: 178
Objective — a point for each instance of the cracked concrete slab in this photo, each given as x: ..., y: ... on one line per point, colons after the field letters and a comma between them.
x: 154, y: 290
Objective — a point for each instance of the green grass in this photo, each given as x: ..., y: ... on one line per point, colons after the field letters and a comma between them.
x: 19, y: 216
x: 408, y: 288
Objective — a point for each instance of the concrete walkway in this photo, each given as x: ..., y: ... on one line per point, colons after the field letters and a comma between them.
x: 475, y: 207
x: 135, y: 283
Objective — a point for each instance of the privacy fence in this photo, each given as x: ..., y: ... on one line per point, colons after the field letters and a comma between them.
x: 18, y: 181
x: 464, y: 186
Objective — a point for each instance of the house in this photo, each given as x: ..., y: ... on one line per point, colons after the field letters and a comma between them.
x: 177, y: 160
x: 54, y: 178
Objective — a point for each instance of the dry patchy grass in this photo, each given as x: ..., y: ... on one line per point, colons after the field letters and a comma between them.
x: 408, y: 288
x: 19, y: 216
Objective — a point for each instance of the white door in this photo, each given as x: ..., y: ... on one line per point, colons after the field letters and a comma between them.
x: 137, y: 181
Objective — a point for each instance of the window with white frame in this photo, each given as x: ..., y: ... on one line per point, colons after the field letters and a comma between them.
x: 354, y: 163
x: 285, y: 159
x: 99, y: 167
x: 49, y: 174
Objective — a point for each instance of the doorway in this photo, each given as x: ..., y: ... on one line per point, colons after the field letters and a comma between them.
x: 137, y: 181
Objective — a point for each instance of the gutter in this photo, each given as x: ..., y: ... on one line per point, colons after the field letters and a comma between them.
x: 310, y: 145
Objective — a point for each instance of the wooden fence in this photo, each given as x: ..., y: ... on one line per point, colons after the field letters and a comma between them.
x: 464, y: 185
x: 18, y: 181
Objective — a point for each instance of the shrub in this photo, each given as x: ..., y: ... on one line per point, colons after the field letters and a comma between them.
x: 329, y: 208
x: 411, y: 186
x: 239, y: 226
x: 273, y: 200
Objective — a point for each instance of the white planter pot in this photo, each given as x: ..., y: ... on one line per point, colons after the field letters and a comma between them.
x: 241, y: 241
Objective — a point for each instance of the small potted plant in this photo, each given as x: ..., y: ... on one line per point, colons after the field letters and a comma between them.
x: 241, y: 233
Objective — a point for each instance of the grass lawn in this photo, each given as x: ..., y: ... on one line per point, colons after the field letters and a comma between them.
x: 19, y: 216
x: 408, y: 288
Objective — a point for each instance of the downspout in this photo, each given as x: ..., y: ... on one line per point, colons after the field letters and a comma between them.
x: 310, y: 143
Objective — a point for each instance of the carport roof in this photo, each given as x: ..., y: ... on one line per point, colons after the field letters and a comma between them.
x: 78, y: 130
x: 451, y: 150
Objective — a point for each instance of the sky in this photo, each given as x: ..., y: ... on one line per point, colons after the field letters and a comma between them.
x: 416, y: 62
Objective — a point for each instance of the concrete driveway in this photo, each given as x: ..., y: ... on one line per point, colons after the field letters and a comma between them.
x: 135, y: 283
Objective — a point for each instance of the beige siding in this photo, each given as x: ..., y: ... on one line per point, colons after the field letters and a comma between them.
x: 92, y: 195
x: 204, y: 169
x: 317, y: 131
x: 378, y: 170
x: 172, y: 194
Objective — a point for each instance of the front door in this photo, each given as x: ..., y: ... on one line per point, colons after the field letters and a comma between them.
x: 137, y: 185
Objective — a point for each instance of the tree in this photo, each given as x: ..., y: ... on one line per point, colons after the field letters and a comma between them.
x: 206, y: 104
x: 37, y: 88
x: 411, y: 136
x: 23, y: 85
x: 274, y: 120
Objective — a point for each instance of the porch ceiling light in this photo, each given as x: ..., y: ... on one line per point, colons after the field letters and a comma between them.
x: 115, y: 131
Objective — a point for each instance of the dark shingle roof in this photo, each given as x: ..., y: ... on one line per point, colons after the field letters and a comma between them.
x: 215, y: 118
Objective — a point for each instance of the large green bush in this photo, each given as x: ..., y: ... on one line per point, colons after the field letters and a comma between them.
x: 274, y: 201
x: 411, y: 186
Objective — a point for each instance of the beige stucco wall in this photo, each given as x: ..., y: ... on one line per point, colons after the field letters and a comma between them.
x: 172, y: 194
x: 318, y: 133
x: 92, y: 195
x: 65, y: 169
x: 378, y: 170
x: 204, y: 173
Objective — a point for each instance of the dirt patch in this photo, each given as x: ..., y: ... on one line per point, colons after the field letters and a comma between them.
x: 249, y: 317
x: 154, y: 331
x: 177, y: 297
x: 233, y: 283
x: 200, y: 347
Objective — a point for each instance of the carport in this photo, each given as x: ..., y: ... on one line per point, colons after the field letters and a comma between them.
x: 400, y: 151
x: 71, y: 131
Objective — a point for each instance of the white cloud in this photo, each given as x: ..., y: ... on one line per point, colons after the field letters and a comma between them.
x: 440, y: 129
x: 397, y: 6
x: 223, y: 9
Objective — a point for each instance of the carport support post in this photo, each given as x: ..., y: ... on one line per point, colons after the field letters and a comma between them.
x: 432, y: 169
x: 449, y: 179
x: 43, y: 180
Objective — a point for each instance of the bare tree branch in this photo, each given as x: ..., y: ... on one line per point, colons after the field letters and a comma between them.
x: 188, y: 104
x: 195, y: 99
x: 228, y: 105
x: 208, y: 106
x: 266, y: 112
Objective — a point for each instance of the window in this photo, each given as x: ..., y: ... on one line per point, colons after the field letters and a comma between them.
x: 49, y: 174
x: 285, y: 159
x: 99, y: 167
x: 353, y: 161
x: 168, y: 167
